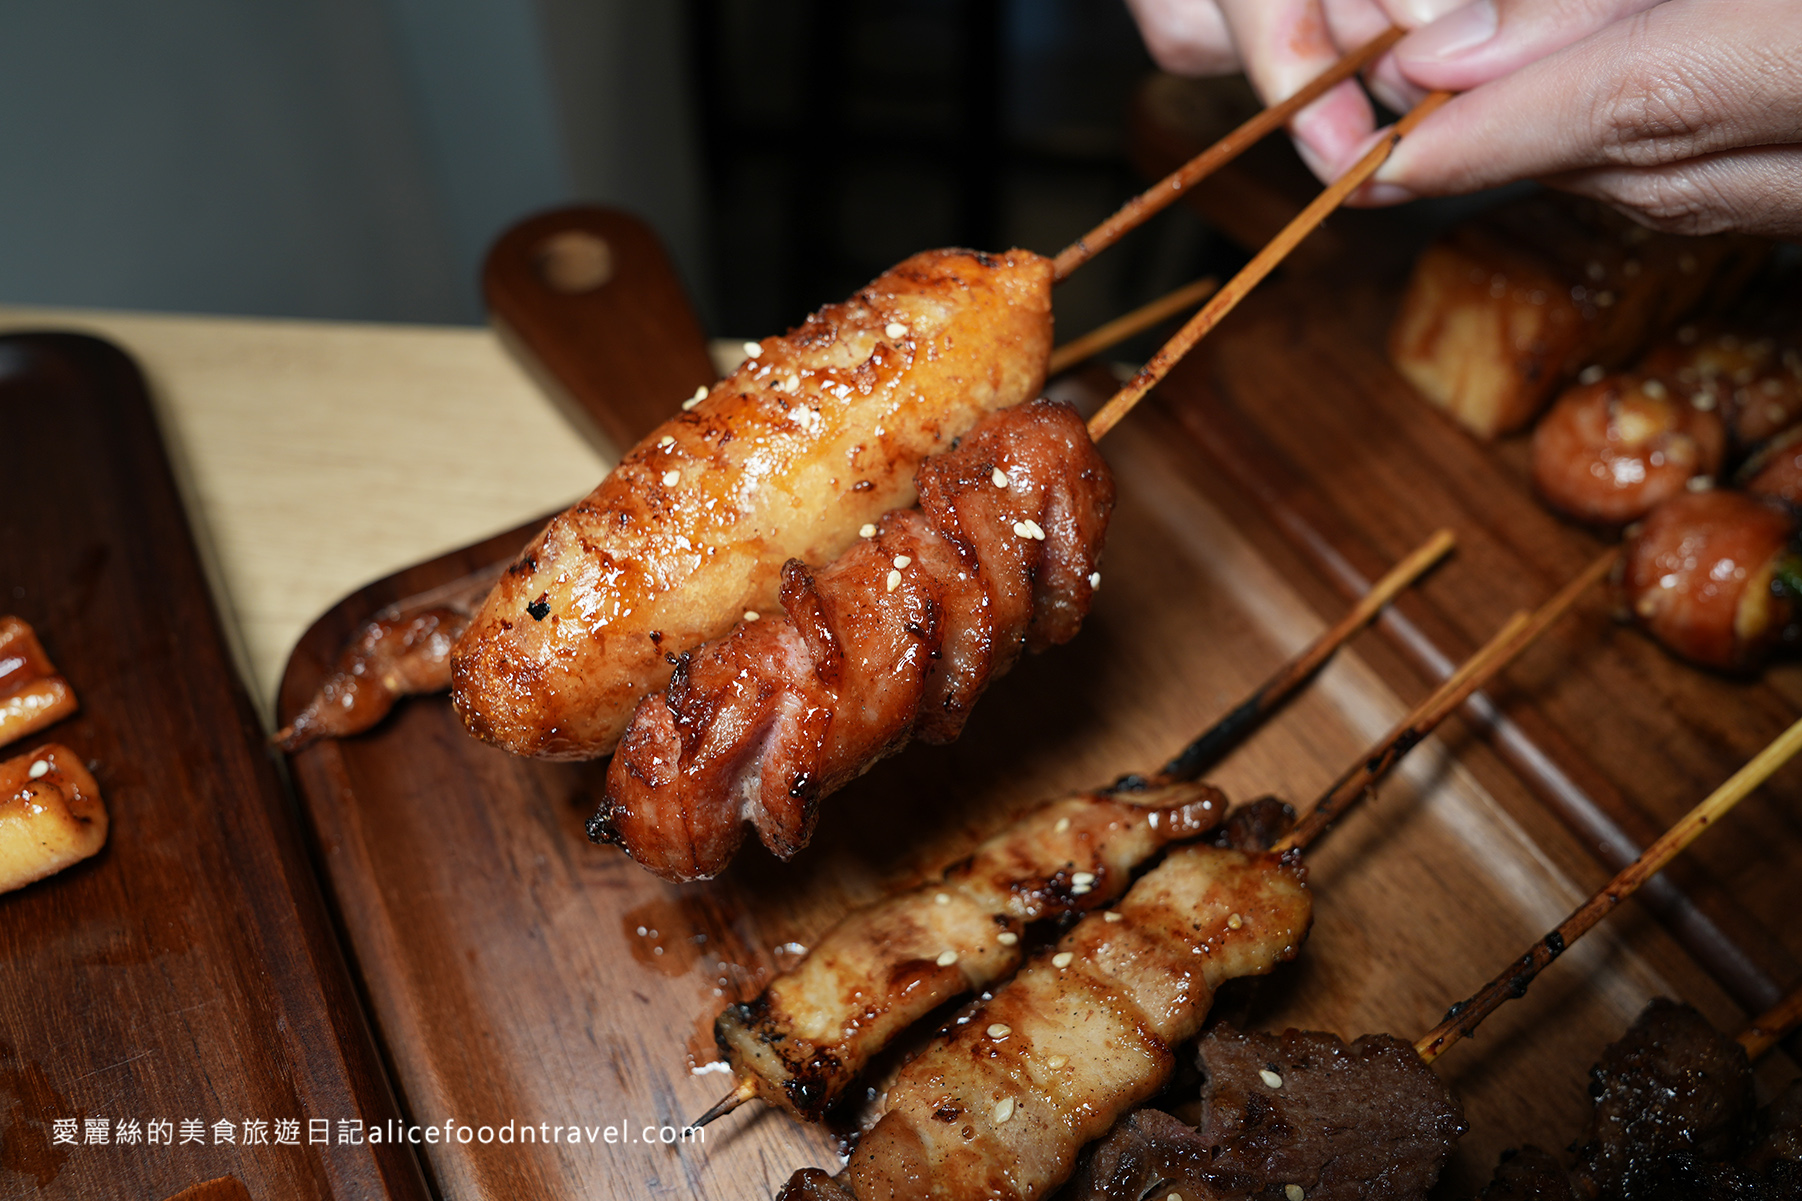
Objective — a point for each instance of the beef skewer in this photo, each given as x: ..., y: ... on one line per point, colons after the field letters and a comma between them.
x: 1772, y: 1025
x: 999, y: 1104
x: 813, y: 1028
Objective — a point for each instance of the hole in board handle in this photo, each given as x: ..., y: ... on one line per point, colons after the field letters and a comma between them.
x: 574, y: 261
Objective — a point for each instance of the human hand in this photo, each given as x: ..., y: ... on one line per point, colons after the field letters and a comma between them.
x: 1281, y: 45
x: 1685, y: 114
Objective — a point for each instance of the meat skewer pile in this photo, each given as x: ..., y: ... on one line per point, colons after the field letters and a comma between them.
x: 813, y: 1029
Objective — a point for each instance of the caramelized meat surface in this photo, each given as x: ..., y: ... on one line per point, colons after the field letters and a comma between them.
x: 405, y: 650
x: 897, y: 636
x: 1529, y: 1174
x: 1708, y: 574
x: 51, y: 815
x: 1671, y: 1084
x: 885, y: 967
x: 32, y: 694
x: 1302, y: 1109
x: 1505, y: 309
x: 1610, y: 451
x: 815, y: 435
x: 1000, y: 1105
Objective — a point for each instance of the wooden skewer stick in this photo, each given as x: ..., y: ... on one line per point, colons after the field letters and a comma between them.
x: 1466, y: 1015
x: 1515, y: 636
x: 1167, y: 190
x: 1139, y: 320
x: 1200, y: 754
x: 1252, y: 273
x: 1223, y: 735
x: 1772, y: 1025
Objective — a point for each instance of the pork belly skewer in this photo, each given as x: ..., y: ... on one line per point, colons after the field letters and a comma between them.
x: 812, y: 1030
x: 1000, y: 1104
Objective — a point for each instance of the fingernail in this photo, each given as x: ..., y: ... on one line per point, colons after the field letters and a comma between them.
x: 1455, y: 34
x: 1425, y: 12
x: 1381, y: 195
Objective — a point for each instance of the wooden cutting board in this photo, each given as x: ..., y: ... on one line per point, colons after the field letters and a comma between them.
x: 189, y: 971
x: 518, y: 974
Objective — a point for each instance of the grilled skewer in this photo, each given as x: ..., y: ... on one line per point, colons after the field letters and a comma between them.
x: 814, y: 1027
x: 33, y: 694
x: 1117, y: 992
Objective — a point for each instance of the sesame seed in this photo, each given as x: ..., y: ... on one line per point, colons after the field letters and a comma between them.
x: 667, y: 441
x: 1094, y: 580
x: 1271, y: 1078
x: 1056, y: 1062
x: 1080, y: 890
x: 1083, y: 878
x: 1000, y: 1031
x: 943, y: 898
x: 1702, y: 401
x: 946, y: 958
x: 1591, y: 374
x: 901, y: 561
x: 1004, y: 1109
x: 690, y: 404
x: 1293, y: 1192
x: 701, y: 393
x: 894, y: 580
x: 1111, y: 916
x: 1000, y: 478
x: 895, y: 329
x: 1174, y: 1197
x: 671, y: 478
x: 1654, y: 389
x: 39, y: 770
x: 753, y: 349
x: 1022, y: 529
x: 752, y: 615
x: 1234, y: 922
x: 867, y: 530
x: 1034, y: 530
x: 792, y: 383
x: 1062, y: 959
x: 1063, y: 823
x: 1007, y: 938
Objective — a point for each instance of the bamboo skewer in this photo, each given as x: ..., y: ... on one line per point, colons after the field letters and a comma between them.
x: 1465, y: 1016
x: 1515, y: 636
x: 1261, y: 265
x: 1772, y: 1025
x: 1139, y: 320
x: 1223, y: 735
x: 1166, y: 191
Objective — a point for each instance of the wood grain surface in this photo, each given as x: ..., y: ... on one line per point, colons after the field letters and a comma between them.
x: 190, y: 969
x: 521, y: 975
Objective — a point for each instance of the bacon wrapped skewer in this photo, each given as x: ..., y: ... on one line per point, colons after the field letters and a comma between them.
x: 51, y: 815
x: 32, y: 694
x: 897, y: 637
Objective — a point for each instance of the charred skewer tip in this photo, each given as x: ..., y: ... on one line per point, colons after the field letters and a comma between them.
x: 726, y: 1104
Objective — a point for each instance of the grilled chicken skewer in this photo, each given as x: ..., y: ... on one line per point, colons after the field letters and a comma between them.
x: 1084, y: 1032
x: 812, y: 1030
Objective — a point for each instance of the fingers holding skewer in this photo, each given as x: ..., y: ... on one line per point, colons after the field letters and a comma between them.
x: 1465, y: 1016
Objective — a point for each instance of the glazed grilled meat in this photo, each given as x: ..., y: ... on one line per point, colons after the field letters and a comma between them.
x: 809, y: 1033
x: 1711, y: 576
x: 816, y: 434
x: 1364, y: 1122
x: 1000, y: 1105
x: 33, y: 694
x: 1503, y: 310
x: 1529, y: 1174
x: 897, y: 637
x: 51, y: 815
x: 400, y: 652
x: 1672, y: 1084
x: 1608, y: 452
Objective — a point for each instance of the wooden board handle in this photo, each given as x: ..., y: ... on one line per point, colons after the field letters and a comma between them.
x: 589, y: 301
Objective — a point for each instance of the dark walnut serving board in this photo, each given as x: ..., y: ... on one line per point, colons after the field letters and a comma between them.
x: 190, y: 969
x: 517, y: 973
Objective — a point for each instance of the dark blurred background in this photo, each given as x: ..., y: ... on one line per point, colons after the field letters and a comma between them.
x: 354, y: 158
